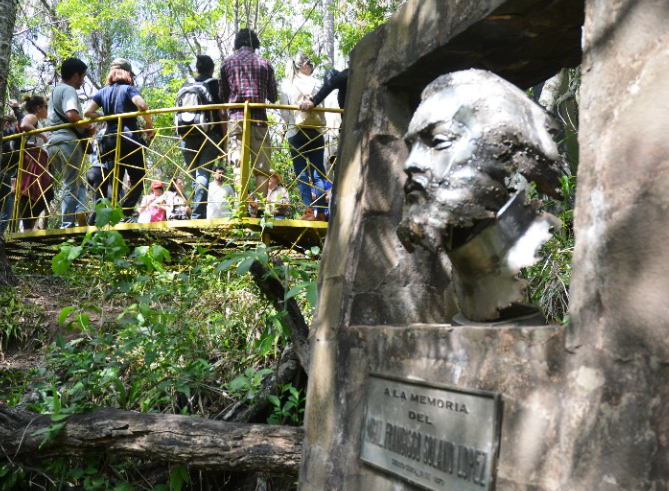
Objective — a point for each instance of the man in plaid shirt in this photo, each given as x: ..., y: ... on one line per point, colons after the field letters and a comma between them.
x: 246, y: 76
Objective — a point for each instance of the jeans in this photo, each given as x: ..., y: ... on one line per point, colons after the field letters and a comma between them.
x: 200, y: 152
x: 67, y: 159
x: 98, y: 179
x: 6, y: 200
x: 307, y: 150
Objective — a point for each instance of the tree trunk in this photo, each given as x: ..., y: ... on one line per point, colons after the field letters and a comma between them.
x: 8, y: 9
x: 328, y: 32
x: 197, y: 443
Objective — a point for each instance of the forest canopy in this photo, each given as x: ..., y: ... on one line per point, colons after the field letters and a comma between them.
x: 162, y: 38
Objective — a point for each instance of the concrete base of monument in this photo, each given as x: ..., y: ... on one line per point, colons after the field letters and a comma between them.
x: 515, y: 316
x: 406, y: 402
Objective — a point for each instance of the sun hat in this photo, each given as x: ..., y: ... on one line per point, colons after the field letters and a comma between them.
x: 273, y: 173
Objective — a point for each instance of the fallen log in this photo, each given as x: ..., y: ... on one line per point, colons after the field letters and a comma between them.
x: 185, y: 440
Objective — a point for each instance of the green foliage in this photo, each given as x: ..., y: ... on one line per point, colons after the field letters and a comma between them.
x: 20, y: 323
x: 10, y: 476
x: 361, y: 17
x: 168, y: 340
x: 288, y: 406
x: 178, y: 477
x: 160, y: 337
x: 248, y: 384
x: 549, y: 279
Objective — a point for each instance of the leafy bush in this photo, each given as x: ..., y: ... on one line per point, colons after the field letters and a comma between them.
x: 21, y: 324
x: 155, y: 333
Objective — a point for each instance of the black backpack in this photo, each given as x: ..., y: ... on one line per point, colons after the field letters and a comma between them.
x: 194, y: 93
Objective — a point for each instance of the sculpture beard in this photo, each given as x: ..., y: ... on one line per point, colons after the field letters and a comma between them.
x: 443, y: 212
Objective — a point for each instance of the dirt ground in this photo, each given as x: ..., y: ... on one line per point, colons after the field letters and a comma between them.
x: 45, y: 296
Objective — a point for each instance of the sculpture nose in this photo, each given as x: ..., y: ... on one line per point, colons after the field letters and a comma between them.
x: 417, y: 161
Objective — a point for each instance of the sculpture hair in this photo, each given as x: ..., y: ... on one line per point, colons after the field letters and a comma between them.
x: 511, y: 119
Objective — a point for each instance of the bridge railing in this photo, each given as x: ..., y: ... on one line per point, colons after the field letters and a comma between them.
x: 34, y: 183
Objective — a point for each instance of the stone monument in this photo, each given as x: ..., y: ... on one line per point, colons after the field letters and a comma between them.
x: 399, y: 397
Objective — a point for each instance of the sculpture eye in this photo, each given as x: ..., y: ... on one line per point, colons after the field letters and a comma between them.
x: 441, y: 141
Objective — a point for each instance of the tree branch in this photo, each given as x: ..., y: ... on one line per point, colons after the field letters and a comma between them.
x: 275, y: 291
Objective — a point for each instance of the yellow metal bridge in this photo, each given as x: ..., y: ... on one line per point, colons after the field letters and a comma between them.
x: 32, y: 188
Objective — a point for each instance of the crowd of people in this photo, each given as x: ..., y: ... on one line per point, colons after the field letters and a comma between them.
x: 116, y: 151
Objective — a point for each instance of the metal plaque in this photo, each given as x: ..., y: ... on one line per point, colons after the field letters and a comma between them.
x: 437, y: 437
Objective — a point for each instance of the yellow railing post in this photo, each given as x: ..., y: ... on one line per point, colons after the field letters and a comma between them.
x: 245, y: 158
x: 116, y: 178
x: 14, y: 224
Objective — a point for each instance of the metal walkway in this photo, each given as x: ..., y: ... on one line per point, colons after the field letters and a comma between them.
x: 180, y: 235
x: 165, y: 161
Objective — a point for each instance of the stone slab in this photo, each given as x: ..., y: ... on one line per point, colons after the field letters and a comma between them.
x: 524, y: 365
x: 368, y: 279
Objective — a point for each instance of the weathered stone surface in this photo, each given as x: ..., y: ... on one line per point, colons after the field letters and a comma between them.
x: 619, y: 377
x: 367, y: 278
x: 523, y: 41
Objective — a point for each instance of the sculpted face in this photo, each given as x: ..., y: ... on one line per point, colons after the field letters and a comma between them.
x: 467, y: 139
x: 452, y: 178
x: 472, y: 137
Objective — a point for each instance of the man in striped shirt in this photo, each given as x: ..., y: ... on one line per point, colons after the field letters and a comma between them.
x: 246, y: 76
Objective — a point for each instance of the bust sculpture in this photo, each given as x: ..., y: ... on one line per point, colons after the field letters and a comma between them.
x: 471, y: 138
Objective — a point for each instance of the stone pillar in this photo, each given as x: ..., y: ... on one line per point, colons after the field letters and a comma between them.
x: 616, y: 428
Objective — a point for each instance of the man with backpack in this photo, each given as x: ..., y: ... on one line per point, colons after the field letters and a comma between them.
x: 246, y: 76
x: 202, y: 131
